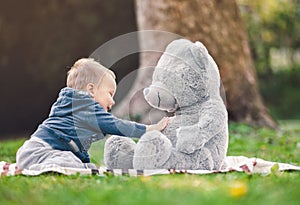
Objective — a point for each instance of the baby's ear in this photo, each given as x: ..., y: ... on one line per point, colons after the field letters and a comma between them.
x: 90, y: 89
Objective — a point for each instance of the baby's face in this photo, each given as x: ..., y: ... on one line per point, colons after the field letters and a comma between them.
x: 104, y: 93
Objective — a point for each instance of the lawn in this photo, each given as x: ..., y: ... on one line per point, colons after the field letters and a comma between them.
x: 229, y: 188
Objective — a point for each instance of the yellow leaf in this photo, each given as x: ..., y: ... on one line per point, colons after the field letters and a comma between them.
x: 238, y: 189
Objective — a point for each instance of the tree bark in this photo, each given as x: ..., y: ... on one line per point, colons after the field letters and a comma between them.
x: 218, y: 25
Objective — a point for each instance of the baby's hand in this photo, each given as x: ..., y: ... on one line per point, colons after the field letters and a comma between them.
x: 160, y: 125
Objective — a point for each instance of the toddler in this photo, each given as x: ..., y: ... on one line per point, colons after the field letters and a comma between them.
x: 78, y: 118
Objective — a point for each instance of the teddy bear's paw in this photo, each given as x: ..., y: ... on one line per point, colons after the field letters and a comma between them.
x: 118, y: 152
x: 152, y: 151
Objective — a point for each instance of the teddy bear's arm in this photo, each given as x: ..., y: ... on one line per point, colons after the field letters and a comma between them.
x: 192, y: 138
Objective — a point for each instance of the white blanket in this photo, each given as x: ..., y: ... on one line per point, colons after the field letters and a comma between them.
x: 233, y: 163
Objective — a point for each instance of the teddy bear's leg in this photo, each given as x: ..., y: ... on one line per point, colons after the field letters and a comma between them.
x: 118, y: 152
x: 152, y: 151
x: 203, y: 159
x: 200, y: 159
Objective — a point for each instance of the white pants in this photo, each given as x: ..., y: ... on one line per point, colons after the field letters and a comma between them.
x: 36, y: 154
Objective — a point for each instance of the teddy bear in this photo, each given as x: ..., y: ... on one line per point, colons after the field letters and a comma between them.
x: 185, y: 82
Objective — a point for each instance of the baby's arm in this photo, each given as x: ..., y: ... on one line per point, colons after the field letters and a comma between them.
x: 109, y: 124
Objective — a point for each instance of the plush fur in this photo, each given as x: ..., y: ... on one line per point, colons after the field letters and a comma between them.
x: 186, y: 81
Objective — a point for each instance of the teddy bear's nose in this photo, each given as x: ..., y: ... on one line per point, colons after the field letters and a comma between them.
x: 146, y: 91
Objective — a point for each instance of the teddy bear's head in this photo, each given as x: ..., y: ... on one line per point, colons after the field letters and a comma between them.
x: 185, y: 75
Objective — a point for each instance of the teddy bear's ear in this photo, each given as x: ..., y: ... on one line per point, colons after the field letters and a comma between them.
x: 195, y: 74
x: 200, y: 54
x: 198, y: 43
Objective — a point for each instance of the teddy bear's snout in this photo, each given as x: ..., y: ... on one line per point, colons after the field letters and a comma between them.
x: 160, y: 98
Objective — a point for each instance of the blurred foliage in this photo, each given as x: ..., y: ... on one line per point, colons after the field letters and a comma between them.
x: 271, y: 24
x: 275, y: 25
x: 281, y: 92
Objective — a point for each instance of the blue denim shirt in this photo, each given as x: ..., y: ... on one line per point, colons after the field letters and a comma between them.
x: 76, y: 120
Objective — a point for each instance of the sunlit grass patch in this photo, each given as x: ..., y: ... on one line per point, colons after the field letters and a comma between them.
x: 226, y: 188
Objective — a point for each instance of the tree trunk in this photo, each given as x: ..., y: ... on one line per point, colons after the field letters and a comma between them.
x: 218, y: 25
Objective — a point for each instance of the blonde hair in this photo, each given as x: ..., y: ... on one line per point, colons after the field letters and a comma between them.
x: 85, y: 71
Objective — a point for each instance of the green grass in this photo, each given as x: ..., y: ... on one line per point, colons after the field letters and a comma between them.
x: 229, y: 188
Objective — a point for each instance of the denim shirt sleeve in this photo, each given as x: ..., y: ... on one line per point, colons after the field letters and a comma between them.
x: 109, y: 124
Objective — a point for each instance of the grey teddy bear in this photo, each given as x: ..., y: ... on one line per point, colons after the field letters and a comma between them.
x: 185, y: 81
